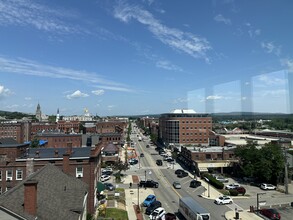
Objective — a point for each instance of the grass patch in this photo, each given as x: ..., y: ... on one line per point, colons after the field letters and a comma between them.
x: 119, y: 190
x: 117, y: 214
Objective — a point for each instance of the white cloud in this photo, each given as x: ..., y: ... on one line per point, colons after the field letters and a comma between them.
x: 27, y: 98
x: 29, y: 67
x: 288, y: 63
x: 181, y: 41
x: 121, y: 89
x: 270, y: 47
x: 180, y: 100
x: 77, y: 94
x: 4, y: 92
x: 214, y: 97
x: 221, y: 18
x: 98, y: 92
x: 30, y: 13
x: 164, y: 64
x: 12, y: 107
x: 270, y: 80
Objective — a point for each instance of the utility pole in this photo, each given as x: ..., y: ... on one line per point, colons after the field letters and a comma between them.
x: 286, y: 173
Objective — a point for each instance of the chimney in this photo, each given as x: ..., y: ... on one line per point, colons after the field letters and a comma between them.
x: 56, y: 153
x: 69, y: 148
x: 30, y: 197
x: 66, y: 163
x: 37, y: 153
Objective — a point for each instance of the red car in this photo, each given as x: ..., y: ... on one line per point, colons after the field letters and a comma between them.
x: 271, y: 213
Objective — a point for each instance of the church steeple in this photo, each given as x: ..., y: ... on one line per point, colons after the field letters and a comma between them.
x: 39, y: 112
x: 57, y: 116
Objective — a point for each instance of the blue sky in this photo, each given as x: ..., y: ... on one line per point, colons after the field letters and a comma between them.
x: 146, y: 56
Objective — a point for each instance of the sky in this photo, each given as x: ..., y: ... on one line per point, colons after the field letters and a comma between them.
x: 134, y: 57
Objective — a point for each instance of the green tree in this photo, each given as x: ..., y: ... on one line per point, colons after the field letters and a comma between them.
x: 120, y: 166
x: 265, y: 164
x: 34, y: 143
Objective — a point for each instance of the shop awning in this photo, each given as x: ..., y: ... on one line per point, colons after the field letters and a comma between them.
x: 100, y: 187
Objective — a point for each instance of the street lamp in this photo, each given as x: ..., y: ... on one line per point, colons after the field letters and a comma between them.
x: 138, y: 208
x: 257, y: 200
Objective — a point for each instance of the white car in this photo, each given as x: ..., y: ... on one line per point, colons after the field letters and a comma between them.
x: 267, y: 186
x: 105, y: 178
x: 222, y: 200
x: 158, y: 213
x: 232, y: 186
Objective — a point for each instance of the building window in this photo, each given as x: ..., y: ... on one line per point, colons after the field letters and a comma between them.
x: 9, y: 175
x: 79, y: 171
x: 8, y: 188
x: 18, y: 174
x: 0, y: 175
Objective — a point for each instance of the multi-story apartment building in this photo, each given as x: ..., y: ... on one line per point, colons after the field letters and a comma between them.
x: 59, y: 140
x: 18, y: 161
x: 185, y: 127
x: 19, y: 131
x: 111, y: 126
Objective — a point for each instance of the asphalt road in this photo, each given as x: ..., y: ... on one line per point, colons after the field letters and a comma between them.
x: 165, y: 176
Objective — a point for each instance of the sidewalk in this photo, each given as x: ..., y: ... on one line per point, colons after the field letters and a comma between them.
x: 134, y: 196
x: 212, y: 193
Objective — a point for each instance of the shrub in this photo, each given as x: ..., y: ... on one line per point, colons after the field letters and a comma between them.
x: 213, y: 181
x: 233, y: 192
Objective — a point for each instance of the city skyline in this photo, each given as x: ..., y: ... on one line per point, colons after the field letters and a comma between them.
x: 128, y: 57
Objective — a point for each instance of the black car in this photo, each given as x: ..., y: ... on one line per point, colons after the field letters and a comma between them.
x: 109, y: 186
x: 159, y: 162
x: 178, y: 171
x: 107, y: 172
x: 152, y: 207
x: 195, y: 184
x: 142, y: 155
x: 182, y: 174
x: 170, y: 216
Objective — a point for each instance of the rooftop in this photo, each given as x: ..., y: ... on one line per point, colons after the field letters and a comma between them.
x: 59, y: 196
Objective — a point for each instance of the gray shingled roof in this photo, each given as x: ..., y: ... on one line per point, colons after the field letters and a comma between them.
x: 59, y: 196
x: 50, y: 152
x: 110, y: 148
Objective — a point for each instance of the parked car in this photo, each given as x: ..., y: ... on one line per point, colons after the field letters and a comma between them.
x: 195, y: 184
x: 109, y: 186
x: 178, y: 171
x: 176, y: 185
x: 142, y: 155
x: 232, y: 186
x: 148, y: 183
x: 271, y: 213
x: 222, y: 200
x: 170, y: 159
x: 222, y: 179
x: 158, y: 213
x: 147, y: 146
x: 106, y: 172
x: 152, y: 207
x: 169, y: 216
x: 241, y: 190
x: 182, y: 174
x: 149, y: 200
x: 159, y: 162
x: 267, y: 186
x: 133, y: 161
x: 105, y: 178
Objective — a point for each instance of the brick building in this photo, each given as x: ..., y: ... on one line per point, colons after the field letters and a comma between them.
x: 185, y: 127
x: 17, y: 162
x: 199, y: 159
x: 111, y: 126
x: 19, y: 131
x: 59, y: 140
x: 62, y: 197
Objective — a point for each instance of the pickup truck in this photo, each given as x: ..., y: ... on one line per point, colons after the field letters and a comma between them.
x: 148, y: 183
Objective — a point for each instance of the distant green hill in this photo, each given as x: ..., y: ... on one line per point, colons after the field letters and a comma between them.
x: 15, y: 115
